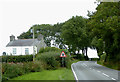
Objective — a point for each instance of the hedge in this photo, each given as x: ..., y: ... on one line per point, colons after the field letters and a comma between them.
x: 15, y: 59
x: 51, y: 49
x: 11, y: 70
x: 53, y: 59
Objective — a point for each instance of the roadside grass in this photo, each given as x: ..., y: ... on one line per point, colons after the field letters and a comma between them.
x: 74, y: 61
x: 59, y: 74
x: 110, y: 65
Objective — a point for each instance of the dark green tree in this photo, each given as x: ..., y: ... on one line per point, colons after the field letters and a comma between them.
x: 104, y: 25
x: 74, y: 34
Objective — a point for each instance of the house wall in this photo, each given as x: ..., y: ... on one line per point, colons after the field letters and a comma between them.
x: 20, y: 50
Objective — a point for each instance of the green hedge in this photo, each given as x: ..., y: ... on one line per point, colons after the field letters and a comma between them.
x: 53, y: 59
x: 50, y: 49
x: 11, y: 70
x: 15, y: 59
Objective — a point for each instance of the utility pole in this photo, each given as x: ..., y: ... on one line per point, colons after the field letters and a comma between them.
x: 33, y: 45
x: 0, y: 69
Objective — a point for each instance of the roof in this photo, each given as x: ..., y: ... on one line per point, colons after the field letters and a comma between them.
x: 23, y: 42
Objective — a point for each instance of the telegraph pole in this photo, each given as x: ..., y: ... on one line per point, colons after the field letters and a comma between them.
x: 0, y: 69
x: 33, y: 45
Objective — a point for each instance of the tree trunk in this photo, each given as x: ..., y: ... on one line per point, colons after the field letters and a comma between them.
x: 83, y: 51
x: 106, y: 57
x: 86, y: 51
x: 86, y: 54
x: 78, y: 51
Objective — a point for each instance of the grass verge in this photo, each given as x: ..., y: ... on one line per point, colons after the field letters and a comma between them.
x: 59, y: 74
x: 110, y: 65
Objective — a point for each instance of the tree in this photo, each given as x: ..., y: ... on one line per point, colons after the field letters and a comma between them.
x: 44, y: 29
x: 74, y: 33
x: 104, y: 25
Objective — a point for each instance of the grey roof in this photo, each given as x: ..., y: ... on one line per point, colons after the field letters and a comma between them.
x: 23, y: 42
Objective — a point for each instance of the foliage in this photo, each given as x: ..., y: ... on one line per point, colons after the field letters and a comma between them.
x: 15, y: 59
x: 47, y: 49
x: 104, y: 27
x: 110, y: 64
x: 51, y: 49
x: 10, y: 70
x: 50, y: 32
x: 74, y: 34
x: 52, y: 59
x: 47, y: 58
x: 56, y: 33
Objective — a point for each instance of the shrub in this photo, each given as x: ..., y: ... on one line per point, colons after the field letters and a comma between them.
x: 15, y: 59
x: 80, y: 57
x: 48, y: 49
x: 52, y: 59
x: 35, y: 66
x: 11, y: 70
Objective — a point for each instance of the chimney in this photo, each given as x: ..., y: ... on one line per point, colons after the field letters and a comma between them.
x: 40, y: 37
x: 12, y: 38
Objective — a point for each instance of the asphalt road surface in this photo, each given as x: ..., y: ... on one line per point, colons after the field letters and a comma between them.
x: 91, y: 71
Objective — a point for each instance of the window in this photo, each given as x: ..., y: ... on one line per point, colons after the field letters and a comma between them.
x: 27, y: 51
x: 14, y: 51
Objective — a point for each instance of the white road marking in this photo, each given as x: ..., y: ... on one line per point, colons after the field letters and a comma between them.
x: 74, y: 73
x: 95, y: 62
x: 105, y: 74
x: 98, y: 71
x: 85, y: 64
x: 113, y: 79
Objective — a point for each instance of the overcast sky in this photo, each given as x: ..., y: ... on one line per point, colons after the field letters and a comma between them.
x: 17, y: 16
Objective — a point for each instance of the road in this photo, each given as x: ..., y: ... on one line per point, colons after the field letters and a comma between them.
x: 91, y: 71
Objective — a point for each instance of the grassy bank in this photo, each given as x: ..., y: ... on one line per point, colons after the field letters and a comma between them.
x: 59, y: 74
x: 110, y: 64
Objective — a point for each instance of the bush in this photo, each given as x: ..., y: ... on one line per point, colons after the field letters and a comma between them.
x: 11, y: 70
x: 80, y: 57
x: 52, y: 58
x: 35, y: 66
x: 114, y: 64
x: 48, y: 49
x: 15, y: 59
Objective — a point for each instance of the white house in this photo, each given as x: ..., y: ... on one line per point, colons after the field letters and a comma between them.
x: 24, y: 46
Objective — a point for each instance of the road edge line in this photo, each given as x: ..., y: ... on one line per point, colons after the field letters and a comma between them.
x: 74, y: 73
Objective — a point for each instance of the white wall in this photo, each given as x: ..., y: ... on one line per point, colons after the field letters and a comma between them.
x: 20, y: 50
x: 92, y: 53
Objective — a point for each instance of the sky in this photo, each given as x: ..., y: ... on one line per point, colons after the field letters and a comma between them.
x: 17, y: 16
